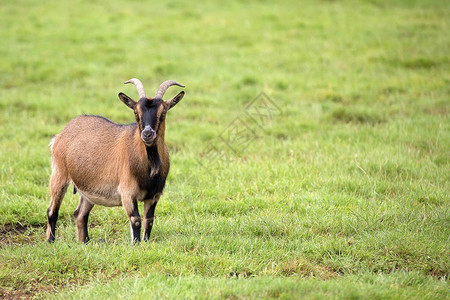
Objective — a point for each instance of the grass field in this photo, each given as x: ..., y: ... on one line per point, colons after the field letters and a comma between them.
x: 342, y: 193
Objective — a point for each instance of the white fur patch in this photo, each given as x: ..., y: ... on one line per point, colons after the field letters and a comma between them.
x: 154, y: 171
x: 52, y: 141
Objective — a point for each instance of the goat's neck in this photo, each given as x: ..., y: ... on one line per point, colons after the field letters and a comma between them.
x: 154, y: 159
x: 154, y: 155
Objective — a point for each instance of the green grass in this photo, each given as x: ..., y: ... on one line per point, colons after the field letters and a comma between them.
x: 399, y: 285
x: 344, y: 194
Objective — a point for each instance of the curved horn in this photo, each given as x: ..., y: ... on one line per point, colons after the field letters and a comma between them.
x: 164, y: 86
x: 139, y: 86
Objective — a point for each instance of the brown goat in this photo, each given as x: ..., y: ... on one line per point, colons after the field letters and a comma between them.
x: 112, y: 164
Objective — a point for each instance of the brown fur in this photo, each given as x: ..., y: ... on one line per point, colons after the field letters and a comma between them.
x: 99, y: 156
x: 109, y: 165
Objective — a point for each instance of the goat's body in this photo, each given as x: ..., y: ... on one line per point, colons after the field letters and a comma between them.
x: 110, y: 167
x: 108, y: 171
x: 71, y: 153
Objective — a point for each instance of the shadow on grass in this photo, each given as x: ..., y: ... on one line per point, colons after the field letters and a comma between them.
x: 13, y: 234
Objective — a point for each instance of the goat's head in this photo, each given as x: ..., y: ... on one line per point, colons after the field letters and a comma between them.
x: 150, y: 113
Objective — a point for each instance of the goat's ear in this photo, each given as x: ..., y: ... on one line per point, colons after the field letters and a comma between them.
x: 172, y: 102
x: 127, y: 100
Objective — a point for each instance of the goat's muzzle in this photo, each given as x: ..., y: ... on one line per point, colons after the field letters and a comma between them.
x: 148, y: 136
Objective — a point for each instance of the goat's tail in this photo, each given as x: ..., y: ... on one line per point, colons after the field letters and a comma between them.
x: 52, y: 141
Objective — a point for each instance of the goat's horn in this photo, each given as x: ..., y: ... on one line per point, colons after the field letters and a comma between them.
x: 139, y: 86
x: 164, y: 86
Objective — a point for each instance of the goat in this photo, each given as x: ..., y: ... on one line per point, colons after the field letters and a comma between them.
x: 113, y: 164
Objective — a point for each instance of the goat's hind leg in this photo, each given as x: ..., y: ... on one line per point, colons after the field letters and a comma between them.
x: 58, y: 186
x: 81, y: 216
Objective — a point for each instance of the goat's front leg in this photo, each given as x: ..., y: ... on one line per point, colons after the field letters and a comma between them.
x: 149, y: 214
x: 131, y: 208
